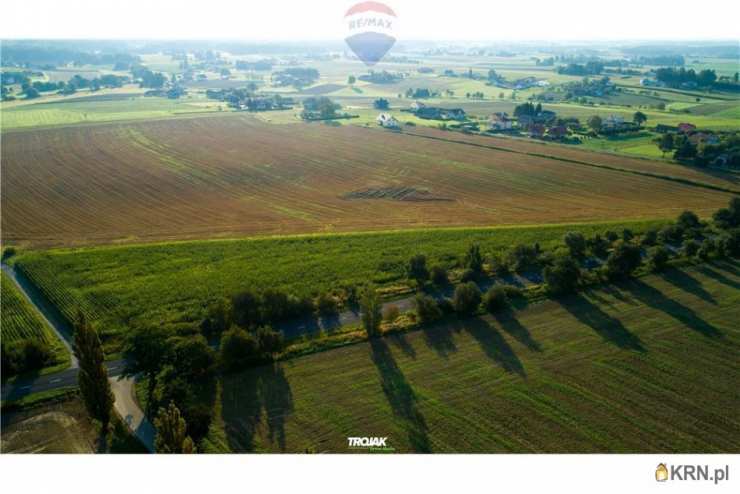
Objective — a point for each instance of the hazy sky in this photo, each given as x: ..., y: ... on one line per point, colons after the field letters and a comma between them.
x: 417, y: 19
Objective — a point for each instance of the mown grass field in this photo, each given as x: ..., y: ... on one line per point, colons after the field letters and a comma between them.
x: 649, y: 366
x: 100, y: 108
x: 173, y: 283
x: 19, y: 321
x: 236, y: 176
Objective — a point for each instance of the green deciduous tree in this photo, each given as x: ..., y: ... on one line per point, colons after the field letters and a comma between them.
x: 563, y: 276
x: 657, y: 258
x: 623, y: 260
x: 576, y: 243
x: 474, y: 259
x: 370, y: 307
x: 237, y: 348
x: 467, y: 298
x: 417, y: 269
x: 144, y: 353
x: 639, y: 118
x: 496, y: 299
x: 427, y: 309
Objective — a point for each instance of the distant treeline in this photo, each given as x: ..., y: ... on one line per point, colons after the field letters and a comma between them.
x: 49, y: 56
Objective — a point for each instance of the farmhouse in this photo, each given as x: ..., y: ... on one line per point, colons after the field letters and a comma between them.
x: 614, y: 124
x: 500, y: 121
x: 436, y: 113
x: 388, y: 121
x: 543, y: 117
x: 664, y: 129
x: 685, y: 128
x: 557, y: 132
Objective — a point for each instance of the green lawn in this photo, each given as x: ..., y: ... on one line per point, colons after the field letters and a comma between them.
x: 173, y: 283
x: 649, y: 366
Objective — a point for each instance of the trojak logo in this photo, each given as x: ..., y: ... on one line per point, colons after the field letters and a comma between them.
x: 370, y: 443
x: 370, y: 30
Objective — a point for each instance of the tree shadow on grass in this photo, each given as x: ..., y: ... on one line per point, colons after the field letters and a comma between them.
x: 686, y: 282
x: 726, y: 265
x: 606, y: 326
x: 400, y: 395
x: 249, y: 395
x: 508, y: 321
x: 654, y: 298
x: 399, y: 340
x: 718, y: 277
x: 439, y: 337
x: 493, y: 345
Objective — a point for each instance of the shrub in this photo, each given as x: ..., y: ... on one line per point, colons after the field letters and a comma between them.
x: 468, y: 275
x: 417, y: 269
x: 513, y: 291
x: 445, y: 305
x: 623, y: 261
x: 627, y: 235
x: 730, y: 243
x: 25, y: 356
x: 499, y: 266
x: 688, y: 220
x: 706, y: 249
x: 670, y: 234
x: 495, y: 299
x: 690, y: 248
x: 217, y: 320
x: 576, y: 243
x: 611, y: 236
x: 238, y: 348
x: 36, y: 354
x: 657, y: 258
x: 598, y: 246
x: 326, y: 305
x: 8, y: 252
x: 245, y: 309
x: 427, y: 309
x: 523, y: 257
x: 474, y: 259
x: 650, y: 237
x: 391, y: 313
x: 467, y: 298
x: 439, y: 276
x: 563, y: 276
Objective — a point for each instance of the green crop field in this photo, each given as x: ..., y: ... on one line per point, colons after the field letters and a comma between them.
x: 19, y: 321
x: 128, y: 286
x: 649, y: 366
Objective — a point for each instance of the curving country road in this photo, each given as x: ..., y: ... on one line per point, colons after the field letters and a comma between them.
x: 123, y: 389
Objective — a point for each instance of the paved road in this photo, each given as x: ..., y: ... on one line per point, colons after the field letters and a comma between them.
x: 123, y: 389
x: 63, y: 379
x: 46, y: 311
x: 126, y: 406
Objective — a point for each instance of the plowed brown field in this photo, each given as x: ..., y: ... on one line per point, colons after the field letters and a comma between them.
x: 229, y: 176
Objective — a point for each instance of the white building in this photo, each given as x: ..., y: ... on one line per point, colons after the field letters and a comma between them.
x: 500, y: 121
x: 388, y: 121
